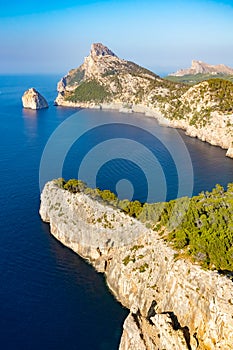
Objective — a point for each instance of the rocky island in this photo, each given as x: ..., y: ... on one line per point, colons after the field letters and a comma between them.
x: 34, y: 100
x: 104, y: 80
x: 173, y: 302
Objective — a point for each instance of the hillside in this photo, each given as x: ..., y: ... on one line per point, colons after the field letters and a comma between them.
x: 192, y: 79
x: 105, y: 78
x: 199, y: 103
x: 106, y: 81
x: 207, y: 221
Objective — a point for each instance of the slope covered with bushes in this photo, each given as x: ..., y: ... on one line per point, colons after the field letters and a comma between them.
x: 200, y: 228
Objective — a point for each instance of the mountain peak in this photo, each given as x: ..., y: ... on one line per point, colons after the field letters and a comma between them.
x: 98, y: 49
x: 200, y: 67
x: 197, y: 63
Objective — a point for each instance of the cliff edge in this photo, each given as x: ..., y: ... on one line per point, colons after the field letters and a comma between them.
x: 173, y: 304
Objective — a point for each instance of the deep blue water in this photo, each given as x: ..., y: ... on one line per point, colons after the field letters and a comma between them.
x: 49, y: 297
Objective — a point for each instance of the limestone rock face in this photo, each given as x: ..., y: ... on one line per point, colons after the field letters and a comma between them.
x: 199, y: 67
x: 33, y: 99
x: 230, y: 151
x: 100, y: 50
x: 174, y: 304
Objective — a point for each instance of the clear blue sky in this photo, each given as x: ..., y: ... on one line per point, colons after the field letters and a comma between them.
x: 41, y: 36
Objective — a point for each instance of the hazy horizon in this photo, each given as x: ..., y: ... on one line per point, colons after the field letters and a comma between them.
x: 41, y: 37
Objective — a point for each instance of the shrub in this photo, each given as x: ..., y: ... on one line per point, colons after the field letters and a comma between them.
x: 108, y: 196
x: 88, y: 91
x: 60, y: 182
x: 201, y: 226
x: 74, y: 185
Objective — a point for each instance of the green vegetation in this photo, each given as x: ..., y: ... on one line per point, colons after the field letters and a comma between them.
x: 213, y: 95
x: 60, y: 182
x: 127, y: 259
x: 221, y: 92
x: 109, y: 72
x: 136, y: 70
x: 192, y: 79
x: 73, y: 185
x: 88, y: 91
x: 136, y: 247
x: 75, y: 76
x: 206, y: 231
x: 143, y: 267
x: 107, y: 196
x: 200, y: 228
x: 94, y: 91
x: 166, y: 93
x: 133, y: 208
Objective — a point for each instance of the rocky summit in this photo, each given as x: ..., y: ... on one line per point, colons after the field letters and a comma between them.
x: 103, y: 77
x: 106, y: 81
x: 33, y: 99
x: 199, y: 67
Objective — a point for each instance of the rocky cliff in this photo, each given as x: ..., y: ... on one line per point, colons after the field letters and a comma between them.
x: 173, y: 304
x: 33, y: 99
x: 230, y: 151
x: 105, y: 81
x: 199, y: 67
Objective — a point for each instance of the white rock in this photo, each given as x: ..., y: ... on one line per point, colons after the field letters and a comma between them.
x: 33, y: 99
x: 230, y: 151
x: 166, y: 290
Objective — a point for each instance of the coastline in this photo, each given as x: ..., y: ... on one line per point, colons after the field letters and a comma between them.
x: 216, y: 135
x: 174, y: 304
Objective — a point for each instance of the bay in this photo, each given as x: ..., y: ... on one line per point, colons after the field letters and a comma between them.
x: 49, y: 297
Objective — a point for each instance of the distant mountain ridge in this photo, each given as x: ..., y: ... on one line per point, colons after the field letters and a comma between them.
x: 199, y: 67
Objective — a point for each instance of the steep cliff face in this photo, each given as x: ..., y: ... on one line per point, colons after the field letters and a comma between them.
x: 106, y: 81
x: 33, y: 99
x: 230, y: 151
x: 173, y: 304
x: 202, y: 112
x: 199, y: 67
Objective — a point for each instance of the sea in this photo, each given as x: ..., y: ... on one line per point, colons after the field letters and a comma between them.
x: 50, y: 298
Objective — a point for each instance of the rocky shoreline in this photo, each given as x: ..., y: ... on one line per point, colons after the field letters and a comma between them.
x: 173, y: 304
x: 215, y: 134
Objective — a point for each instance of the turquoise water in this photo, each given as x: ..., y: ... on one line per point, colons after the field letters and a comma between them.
x: 49, y: 297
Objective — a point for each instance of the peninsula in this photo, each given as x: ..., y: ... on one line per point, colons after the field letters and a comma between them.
x: 106, y: 81
x: 174, y: 304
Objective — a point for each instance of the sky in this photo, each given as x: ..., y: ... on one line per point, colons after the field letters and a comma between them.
x: 54, y: 36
